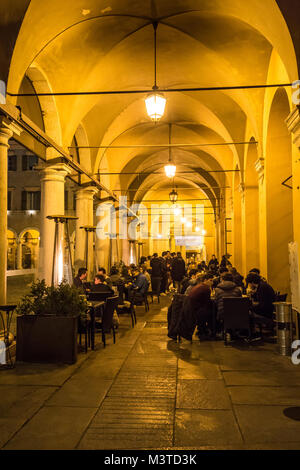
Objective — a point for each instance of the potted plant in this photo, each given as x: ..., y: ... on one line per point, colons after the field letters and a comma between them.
x: 47, y: 323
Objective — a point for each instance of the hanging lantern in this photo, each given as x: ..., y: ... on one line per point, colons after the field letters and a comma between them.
x: 173, y: 196
x: 155, y: 105
x: 155, y: 101
x: 170, y: 171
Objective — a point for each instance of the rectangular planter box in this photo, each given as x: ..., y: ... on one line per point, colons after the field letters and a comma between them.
x: 49, y: 338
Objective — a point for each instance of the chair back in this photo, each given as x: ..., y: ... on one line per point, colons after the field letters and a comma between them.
x: 121, y: 291
x: 97, y: 296
x: 236, y: 313
x: 281, y: 297
x: 107, y: 318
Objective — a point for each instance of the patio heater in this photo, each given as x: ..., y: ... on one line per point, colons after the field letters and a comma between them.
x: 62, y: 260
x: 88, y: 229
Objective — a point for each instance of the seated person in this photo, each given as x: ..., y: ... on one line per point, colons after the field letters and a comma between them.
x: 101, y: 287
x: 189, y: 281
x: 78, y: 280
x: 199, y: 298
x: 102, y: 272
x: 263, y: 295
x: 226, y: 288
x: 139, y: 286
x: 144, y: 270
x: 237, y: 278
x: 218, y: 278
x: 115, y: 277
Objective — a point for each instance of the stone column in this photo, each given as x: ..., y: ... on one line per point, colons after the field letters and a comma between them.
x: 6, y: 132
x: 19, y: 254
x: 85, y: 214
x: 52, y: 203
x: 263, y: 244
x: 125, y: 251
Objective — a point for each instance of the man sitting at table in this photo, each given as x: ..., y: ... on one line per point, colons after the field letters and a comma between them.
x: 226, y: 288
x: 78, y: 280
x: 100, y: 286
x: 263, y: 295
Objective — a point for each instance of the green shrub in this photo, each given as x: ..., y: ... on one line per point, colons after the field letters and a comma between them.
x: 64, y: 300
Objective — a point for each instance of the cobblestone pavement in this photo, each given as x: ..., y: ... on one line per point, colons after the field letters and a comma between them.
x: 146, y: 392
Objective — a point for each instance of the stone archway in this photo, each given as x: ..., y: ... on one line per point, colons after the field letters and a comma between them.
x: 279, y: 203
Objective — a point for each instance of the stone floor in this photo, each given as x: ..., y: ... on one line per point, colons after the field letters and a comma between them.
x: 146, y: 392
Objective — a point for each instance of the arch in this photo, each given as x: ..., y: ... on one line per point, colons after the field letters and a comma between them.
x: 29, y: 240
x: 279, y: 202
x: 48, y: 104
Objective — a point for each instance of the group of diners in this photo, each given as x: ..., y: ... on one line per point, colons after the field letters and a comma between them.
x: 205, y: 288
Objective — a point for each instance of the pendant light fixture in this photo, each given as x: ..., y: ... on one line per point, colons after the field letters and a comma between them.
x: 155, y: 101
x: 170, y: 169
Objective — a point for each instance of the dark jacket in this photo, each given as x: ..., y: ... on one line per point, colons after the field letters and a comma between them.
x: 225, y: 289
x: 77, y: 282
x: 182, y: 318
x: 178, y: 269
x: 265, y: 296
x: 213, y: 264
x: 156, y: 267
x: 103, y: 288
x: 238, y: 280
x: 141, y: 284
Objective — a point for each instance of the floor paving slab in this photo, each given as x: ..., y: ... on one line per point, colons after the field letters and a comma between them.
x: 195, y: 369
x: 131, y: 423
x: 289, y: 396
x: 202, y: 394
x: 274, y: 378
x: 266, y: 424
x: 84, y: 392
x: 53, y: 428
x: 198, y: 428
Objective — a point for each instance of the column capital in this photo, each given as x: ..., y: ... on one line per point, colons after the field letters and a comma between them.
x: 260, y: 168
x: 7, y: 129
x: 86, y: 192
x: 55, y: 172
x: 293, y: 125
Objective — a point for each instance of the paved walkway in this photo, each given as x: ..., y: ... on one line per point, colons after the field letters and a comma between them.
x: 147, y: 392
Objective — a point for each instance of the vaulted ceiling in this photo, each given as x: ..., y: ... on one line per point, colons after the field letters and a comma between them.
x: 92, y: 45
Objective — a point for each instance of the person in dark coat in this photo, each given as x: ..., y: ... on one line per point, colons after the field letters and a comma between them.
x: 225, y: 263
x: 263, y: 296
x: 237, y: 278
x: 188, y: 281
x: 101, y: 286
x: 156, y: 273
x: 213, y: 264
x: 164, y: 276
x: 226, y: 288
x: 178, y: 270
x: 78, y: 280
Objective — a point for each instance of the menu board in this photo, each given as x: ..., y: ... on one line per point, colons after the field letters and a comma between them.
x: 294, y: 275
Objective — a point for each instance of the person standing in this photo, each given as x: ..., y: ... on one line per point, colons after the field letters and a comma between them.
x: 164, y: 273
x: 156, y: 273
x: 178, y: 271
